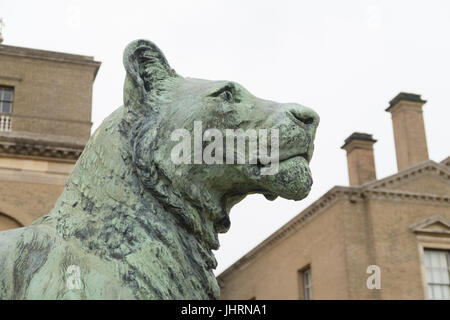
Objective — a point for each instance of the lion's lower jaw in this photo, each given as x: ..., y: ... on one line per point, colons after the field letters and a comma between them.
x: 293, y: 180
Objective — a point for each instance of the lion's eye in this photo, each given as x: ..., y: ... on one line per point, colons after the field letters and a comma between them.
x: 227, y: 93
x: 227, y: 96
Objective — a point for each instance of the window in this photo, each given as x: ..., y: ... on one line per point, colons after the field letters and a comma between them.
x: 305, y: 282
x: 6, y: 99
x: 437, y: 264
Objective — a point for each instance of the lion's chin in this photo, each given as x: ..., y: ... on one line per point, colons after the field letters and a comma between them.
x: 293, y: 180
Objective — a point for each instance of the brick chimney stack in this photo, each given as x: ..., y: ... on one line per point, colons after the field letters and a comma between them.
x: 360, y: 158
x: 409, y: 129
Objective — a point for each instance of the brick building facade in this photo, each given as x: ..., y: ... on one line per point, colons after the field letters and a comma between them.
x: 45, y: 122
x: 394, y: 230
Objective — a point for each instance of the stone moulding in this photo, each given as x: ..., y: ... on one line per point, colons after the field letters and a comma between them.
x: 11, y: 78
x: 39, y: 149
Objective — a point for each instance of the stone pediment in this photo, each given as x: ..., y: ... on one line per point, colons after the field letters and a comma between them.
x: 433, y: 224
x: 405, y: 179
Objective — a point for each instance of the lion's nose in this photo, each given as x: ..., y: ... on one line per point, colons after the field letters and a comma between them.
x: 305, y: 115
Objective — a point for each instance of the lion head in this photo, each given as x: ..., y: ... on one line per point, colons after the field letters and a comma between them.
x: 159, y: 103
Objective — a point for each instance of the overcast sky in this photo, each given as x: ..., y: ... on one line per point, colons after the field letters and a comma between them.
x: 344, y: 59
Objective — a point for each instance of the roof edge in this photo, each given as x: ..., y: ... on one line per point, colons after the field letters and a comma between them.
x: 396, y: 177
x: 446, y: 161
x: 51, y: 56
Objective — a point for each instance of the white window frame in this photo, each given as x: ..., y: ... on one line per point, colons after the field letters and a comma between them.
x: 443, y: 271
x: 4, y: 100
x: 307, y: 283
x: 430, y: 243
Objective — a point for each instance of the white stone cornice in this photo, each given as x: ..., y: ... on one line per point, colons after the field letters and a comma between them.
x: 389, y: 194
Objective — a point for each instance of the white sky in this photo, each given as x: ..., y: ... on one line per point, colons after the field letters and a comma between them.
x: 345, y: 59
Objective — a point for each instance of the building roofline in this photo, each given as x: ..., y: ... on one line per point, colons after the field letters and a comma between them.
x: 416, y: 170
x: 446, y: 161
x: 352, y: 194
x: 51, y: 56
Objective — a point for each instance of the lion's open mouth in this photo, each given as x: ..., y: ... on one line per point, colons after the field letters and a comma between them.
x: 304, y: 155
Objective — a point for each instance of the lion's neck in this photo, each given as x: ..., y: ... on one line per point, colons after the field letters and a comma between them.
x: 105, y: 207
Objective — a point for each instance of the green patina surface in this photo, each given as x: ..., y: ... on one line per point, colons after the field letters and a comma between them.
x: 137, y: 225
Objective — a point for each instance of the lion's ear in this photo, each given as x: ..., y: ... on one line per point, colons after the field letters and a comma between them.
x: 146, y: 69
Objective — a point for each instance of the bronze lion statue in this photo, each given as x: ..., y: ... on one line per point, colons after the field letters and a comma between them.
x: 132, y: 222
